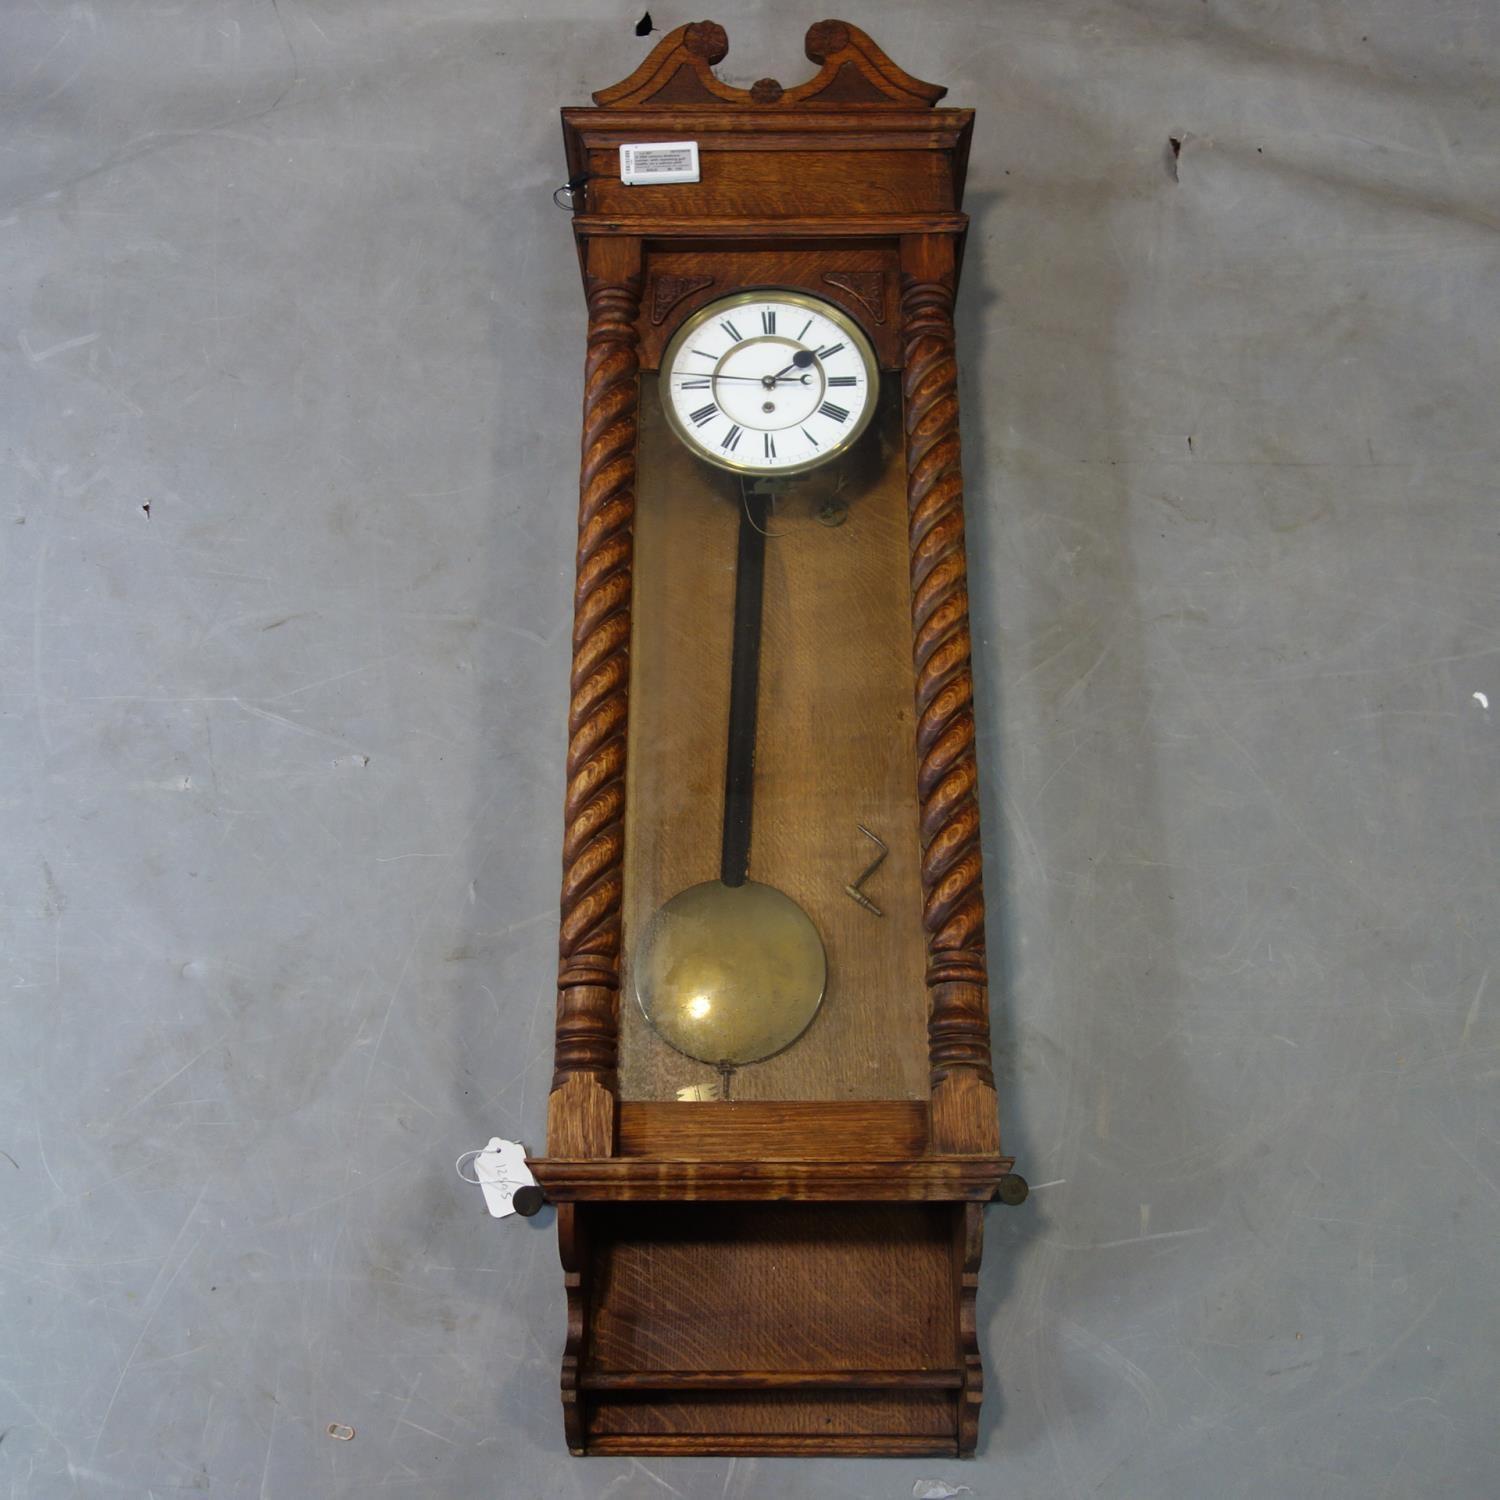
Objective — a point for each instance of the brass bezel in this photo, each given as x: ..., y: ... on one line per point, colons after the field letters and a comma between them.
x: 829, y: 310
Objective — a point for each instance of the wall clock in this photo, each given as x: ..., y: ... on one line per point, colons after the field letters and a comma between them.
x: 772, y: 1127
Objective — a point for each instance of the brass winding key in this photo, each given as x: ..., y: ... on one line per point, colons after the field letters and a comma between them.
x: 855, y: 890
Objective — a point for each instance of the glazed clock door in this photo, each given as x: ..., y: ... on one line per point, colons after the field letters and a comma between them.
x: 772, y: 937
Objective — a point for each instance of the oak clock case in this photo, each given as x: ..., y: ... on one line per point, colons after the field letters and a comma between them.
x: 773, y: 1123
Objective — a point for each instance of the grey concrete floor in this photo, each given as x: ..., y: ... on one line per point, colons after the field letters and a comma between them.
x: 290, y: 344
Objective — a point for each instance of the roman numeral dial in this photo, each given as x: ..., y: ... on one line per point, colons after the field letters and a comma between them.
x: 769, y: 382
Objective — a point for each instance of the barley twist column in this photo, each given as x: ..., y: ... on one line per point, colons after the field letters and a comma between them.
x: 964, y: 1115
x: 582, y: 1105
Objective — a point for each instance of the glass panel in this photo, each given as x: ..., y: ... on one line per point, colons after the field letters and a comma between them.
x: 833, y: 750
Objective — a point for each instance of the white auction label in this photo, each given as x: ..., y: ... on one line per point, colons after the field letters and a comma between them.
x: 659, y: 161
x: 500, y: 1170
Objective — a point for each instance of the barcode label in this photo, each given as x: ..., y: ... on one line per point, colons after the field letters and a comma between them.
x: 659, y: 161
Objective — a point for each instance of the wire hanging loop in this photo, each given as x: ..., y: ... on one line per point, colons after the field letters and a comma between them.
x: 570, y: 187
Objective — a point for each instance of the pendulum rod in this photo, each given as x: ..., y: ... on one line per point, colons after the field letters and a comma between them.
x: 744, y: 684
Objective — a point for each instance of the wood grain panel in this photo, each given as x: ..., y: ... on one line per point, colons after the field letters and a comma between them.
x: 835, y: 749
x: 784, y: 1130
x: 751, y: 184
x: 767, y: 1286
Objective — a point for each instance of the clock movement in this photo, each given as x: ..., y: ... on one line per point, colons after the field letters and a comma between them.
x: 773, y: 1127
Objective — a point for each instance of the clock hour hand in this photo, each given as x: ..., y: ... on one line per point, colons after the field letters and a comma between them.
x: 800, y: 361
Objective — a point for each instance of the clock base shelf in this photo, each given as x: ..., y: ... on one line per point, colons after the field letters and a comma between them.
x: 852, y: 1151
x: 771, y: 1327
x: 620, y: 1179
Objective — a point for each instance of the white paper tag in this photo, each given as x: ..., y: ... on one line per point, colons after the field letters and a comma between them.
x: 502, y: 1172
x: 659, y: 161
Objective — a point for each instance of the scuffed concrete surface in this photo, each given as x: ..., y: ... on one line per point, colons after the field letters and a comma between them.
x: 290, y: 352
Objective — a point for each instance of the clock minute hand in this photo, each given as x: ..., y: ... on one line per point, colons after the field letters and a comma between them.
x: 744, y: 687
x: 752, y: 379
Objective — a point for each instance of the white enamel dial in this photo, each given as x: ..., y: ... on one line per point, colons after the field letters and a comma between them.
x: 769, y: 382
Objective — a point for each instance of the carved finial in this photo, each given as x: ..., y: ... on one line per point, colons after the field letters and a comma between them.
x: 856, y: 71
x: 825, y: 37
x: 706, y: 39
